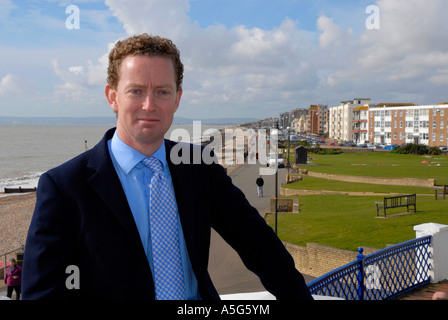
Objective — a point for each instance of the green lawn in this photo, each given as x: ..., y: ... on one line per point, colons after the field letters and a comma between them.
x: 348, y: 222
x: 313, y: 183
x: 381, y: 164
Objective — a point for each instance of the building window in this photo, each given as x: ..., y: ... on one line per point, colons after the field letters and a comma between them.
x: 395, y: 135
x: 433, y: 137
x: 395, y: 122
x: 441, y: 137
x: 441, y: 124
x: 401, y: 124
x: 434, y: 124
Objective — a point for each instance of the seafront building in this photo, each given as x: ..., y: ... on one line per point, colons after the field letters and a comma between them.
x: 349, y: 119
x: 318, y: 119
x: 360, y: 121
x: 398, y: 124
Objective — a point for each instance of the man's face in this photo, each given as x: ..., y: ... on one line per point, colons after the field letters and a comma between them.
x: 145, y: 99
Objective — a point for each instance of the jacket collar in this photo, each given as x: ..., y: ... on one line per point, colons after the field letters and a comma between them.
x: 106, y: 184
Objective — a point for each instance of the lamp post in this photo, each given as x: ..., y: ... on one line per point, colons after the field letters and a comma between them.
x: 289, y: 140
x: 275, y: 132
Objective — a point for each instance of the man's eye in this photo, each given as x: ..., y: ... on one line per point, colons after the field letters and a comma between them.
x: 136, y: 91
x: 163, y: 94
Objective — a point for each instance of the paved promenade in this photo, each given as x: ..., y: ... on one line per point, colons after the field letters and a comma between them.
x: 226, y: 268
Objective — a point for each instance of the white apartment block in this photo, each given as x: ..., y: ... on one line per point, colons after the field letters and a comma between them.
x: 349, y: 121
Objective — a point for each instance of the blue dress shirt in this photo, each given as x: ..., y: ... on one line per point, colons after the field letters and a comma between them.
x: 135, y: 178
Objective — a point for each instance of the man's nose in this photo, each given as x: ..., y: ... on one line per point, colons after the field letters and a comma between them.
x: 149, y: 103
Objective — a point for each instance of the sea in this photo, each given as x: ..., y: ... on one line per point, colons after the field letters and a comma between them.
x: 28, y: 150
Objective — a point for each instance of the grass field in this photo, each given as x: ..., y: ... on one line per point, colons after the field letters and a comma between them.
x: 382, y: 164
x: 313, y: 183
x: 349, y: 222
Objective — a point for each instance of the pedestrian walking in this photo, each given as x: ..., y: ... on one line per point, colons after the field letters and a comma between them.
x: 260, y: 183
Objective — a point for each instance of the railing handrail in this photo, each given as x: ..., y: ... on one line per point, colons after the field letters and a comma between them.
x: 363, y: 279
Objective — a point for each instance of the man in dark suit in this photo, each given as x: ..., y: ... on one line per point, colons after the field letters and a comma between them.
x: 93, y: 213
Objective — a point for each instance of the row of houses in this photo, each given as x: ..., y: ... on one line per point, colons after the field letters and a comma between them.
x: 360, y: 121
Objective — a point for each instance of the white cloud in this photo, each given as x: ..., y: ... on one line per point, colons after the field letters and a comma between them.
x: 331, y: 32
x: 243, y: 71
x: 12, y: 85
x: 6, y: 6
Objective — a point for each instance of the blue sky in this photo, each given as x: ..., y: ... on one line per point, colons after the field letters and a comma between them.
x: 243, y: 58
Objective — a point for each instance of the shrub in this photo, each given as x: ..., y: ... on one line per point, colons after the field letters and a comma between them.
x: 412, y: 148
x: 435, y: 151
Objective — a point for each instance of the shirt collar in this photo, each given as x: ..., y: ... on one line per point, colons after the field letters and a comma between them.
x: 128, y: 157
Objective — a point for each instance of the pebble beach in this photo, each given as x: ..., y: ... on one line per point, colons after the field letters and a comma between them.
x: 16, y: 211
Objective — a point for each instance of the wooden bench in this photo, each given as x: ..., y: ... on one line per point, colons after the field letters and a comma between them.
x: 406, y: 200
x: 443, y: 192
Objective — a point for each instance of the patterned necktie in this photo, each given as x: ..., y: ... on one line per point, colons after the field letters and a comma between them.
x: 168, y: 271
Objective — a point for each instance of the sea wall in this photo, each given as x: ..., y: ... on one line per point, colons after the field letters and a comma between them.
x: 316, y: 259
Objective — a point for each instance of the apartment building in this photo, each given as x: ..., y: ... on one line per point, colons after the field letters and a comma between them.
x: 349, y: 120
x: 317, y: 120
x: 408, y: 123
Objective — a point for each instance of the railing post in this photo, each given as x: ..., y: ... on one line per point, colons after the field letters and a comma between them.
x: 360, y: 283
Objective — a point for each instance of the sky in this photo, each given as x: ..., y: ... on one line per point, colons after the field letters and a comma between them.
x: 242, y: 58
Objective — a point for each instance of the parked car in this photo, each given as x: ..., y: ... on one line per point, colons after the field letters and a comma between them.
x: 293, y: 138
x: 390, y: 147
x: 349, y: 144
x: 443, y: 149
x: 280, y: 161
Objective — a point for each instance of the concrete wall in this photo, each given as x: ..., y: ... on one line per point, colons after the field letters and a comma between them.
x: 316, y: 260
x: 389, y: 181
x: 439, y: 248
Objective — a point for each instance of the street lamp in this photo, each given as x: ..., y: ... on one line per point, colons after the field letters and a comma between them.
x: 289, y: 140
x: 275, y: 132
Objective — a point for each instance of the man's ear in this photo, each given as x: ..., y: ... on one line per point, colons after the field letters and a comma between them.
x: 111, y: 96
x: 178, y: 96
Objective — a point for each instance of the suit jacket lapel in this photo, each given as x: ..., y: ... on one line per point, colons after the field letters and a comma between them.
x: 106, y: 183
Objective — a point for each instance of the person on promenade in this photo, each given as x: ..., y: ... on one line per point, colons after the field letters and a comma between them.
x: 13, y: 278
x: 129, y: 199
x: 260, y: 183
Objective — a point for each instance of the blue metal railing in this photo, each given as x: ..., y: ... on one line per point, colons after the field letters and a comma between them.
x: 382, y: 275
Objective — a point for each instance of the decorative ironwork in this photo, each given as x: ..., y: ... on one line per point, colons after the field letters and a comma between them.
x: 382, y: 275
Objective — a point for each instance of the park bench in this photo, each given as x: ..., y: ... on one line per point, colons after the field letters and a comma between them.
x: 406, y: 200
x: 443, y: 192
